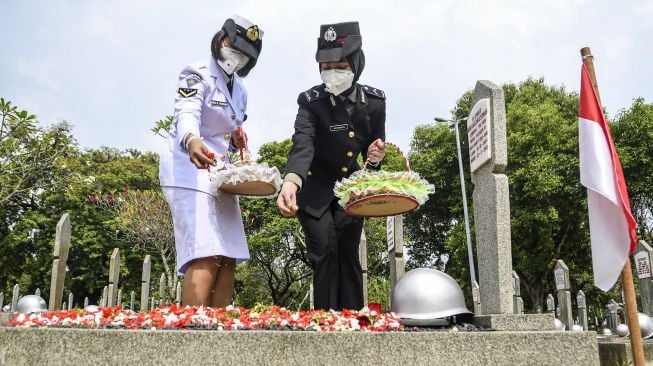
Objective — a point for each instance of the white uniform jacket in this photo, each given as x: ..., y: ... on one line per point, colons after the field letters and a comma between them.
x: 203, y: 107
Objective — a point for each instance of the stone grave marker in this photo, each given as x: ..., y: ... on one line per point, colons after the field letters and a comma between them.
x: 15, y: 295
x: 63, y: 306
x: 85, y: 301
x: 178, y: 294
x: 311, y: 298
x: 145, y: 282
x: 362, y: 255
x: 563, y: 285
x: 105, y: 294
x: 486, y: 131
x: 476, y: 298
x: 395, y: 238
x: 60, y: 254
x: 613, y: 311
x: 70, y: 300
x: 152, y: 306
x: 642, y: 258
x: 119, y: 302
x: 2, y: 300
x: 518, y: 304
x: 581, y: 304
x: 114, y: 277
x: 162, y: 290
x: 550, y: 304
x: 37, y: 292
x: 132, y: 298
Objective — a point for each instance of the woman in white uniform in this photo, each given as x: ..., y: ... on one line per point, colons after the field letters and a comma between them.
x: 210, y: 107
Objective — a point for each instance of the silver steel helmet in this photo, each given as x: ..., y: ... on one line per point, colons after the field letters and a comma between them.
x: 577, y: 328
x: 426, y: 293
x: 622, y: 330
x: 560, y: 325
x: 606, y: 332
x: 91, y: 308
x: 31, y: 304
x: 645, y: 325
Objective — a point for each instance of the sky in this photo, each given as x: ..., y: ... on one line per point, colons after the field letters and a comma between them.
x: 110, y: 67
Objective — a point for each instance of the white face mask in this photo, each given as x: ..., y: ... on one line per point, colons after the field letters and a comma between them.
x: 337, y: 80
x: 232, y: 60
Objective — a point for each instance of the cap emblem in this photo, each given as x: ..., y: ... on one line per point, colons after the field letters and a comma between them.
x: 330, y: 35
x: 252, y: 33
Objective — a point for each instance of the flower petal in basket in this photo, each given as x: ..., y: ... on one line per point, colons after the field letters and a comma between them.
x: 380, y: 193
x: 247, y: 179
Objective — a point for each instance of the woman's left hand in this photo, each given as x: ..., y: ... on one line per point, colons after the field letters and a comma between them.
x: 376, y: 151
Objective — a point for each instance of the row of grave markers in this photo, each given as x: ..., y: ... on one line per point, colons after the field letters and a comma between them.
x: 111, y: 294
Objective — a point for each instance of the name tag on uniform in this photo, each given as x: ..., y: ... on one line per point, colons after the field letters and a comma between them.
x: 336, y: 128
x: 219, y: 101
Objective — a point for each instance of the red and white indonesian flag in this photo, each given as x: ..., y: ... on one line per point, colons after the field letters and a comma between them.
x: 612, y: 226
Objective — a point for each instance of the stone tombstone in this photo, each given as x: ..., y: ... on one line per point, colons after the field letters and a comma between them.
x: 85, y: 301
x: 613, y: 311
x: 362, y: 255
x: 476, y: 297
x: 63, y: 306
x: 145, y: 282
x: 15, y: 295
x: 178, y: 294
x: 114, y: 277
x: 561, y: 274
x: 395, y: 234
x: 37, y: 292
x: 2, y: 300
x: 60, y: 254
x: 105, y: 294
x: 550, y: 304
x: 490, y: 198
x: 642, y: 258
x: 119, y: 298
x: 311, y: 298
x: 162, y: 290
x: 70, y: 300
x: 152, y: 305
x: 518, y: 303
x: 581, y: 304
x: 132, y: 299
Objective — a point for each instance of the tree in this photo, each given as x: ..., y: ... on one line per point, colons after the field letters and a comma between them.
x: 633, y: 137
x: 277, y: 246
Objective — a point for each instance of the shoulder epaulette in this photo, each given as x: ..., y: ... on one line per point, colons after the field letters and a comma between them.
x: 315, y: 93
x: 373, y: 91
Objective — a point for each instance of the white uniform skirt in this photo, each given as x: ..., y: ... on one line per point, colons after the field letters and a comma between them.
x: 205, y: 226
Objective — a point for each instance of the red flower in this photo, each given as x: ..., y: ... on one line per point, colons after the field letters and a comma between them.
x: 375, y: 306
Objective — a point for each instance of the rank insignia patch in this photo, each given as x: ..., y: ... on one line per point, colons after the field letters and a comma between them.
x: 192, y: 80
x: 187, y: 92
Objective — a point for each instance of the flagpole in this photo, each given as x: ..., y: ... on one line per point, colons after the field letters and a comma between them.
x: 626, y: 274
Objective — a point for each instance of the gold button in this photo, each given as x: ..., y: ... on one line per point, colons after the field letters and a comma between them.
x: 344, y: 169
x: 351, y: 133
x: 223, y: 158
x: 310, y: 172
x: 233, y: 116
x: 227, y: 136
x: 350, y: 154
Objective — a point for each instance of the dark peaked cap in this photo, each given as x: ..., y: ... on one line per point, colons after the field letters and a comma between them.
x: 244, y: 35
x: 337, y: 41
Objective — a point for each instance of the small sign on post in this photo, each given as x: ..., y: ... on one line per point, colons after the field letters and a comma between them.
x: 479, y: 134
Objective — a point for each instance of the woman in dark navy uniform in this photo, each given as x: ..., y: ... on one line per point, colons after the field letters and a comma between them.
x: 336, y: 121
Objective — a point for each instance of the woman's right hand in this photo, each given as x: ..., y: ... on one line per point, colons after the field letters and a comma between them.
x: 200, y: 154
x: 287, y: 199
